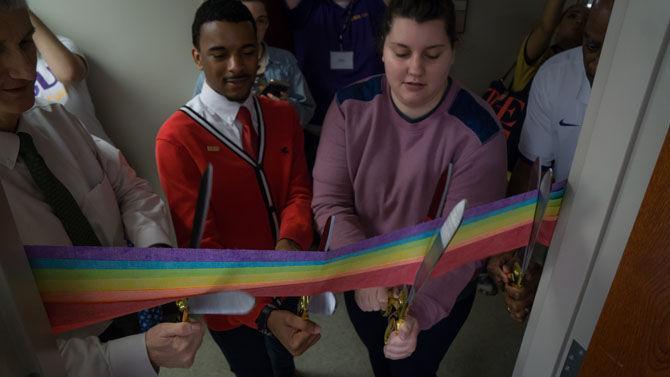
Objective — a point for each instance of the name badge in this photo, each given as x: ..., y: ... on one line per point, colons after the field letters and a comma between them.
x: 341, y: 60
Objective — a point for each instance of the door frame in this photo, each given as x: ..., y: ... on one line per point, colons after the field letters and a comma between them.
x: 625, y: 124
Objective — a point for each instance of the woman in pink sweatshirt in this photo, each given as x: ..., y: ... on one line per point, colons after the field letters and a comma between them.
x: 385, y: 143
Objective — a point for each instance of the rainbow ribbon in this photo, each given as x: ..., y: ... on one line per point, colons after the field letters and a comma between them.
x: 84, y: 285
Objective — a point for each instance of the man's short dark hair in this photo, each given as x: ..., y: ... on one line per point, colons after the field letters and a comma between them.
x: 219, y: 10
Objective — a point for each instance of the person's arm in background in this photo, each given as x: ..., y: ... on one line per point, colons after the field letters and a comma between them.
x: 299, y: 95
x: 68, y: 67
x: 540, y: 37
x: 169, y: 345
x: 536, y: 45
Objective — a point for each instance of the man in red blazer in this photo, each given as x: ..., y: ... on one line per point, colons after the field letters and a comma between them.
x: 261, y: 190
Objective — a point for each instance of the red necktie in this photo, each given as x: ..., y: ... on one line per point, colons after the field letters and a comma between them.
x: 249, y: 136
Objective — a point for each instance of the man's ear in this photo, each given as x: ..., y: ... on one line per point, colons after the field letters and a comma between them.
x: 197, y: 58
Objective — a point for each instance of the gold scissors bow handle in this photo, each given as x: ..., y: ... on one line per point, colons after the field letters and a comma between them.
x: 396, y: 310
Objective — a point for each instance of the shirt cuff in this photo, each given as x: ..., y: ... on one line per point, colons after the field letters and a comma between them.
x: 151, y: 235
x: 128, y: 357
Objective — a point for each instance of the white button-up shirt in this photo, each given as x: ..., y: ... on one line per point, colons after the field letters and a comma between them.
x: 119, y: 205
x: 222, y: 113
x: 556, y: 107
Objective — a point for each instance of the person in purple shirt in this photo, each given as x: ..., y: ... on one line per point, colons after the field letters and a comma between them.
x: 385, y: 143
x: 335, y: 42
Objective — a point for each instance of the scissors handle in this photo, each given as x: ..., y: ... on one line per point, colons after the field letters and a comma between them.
x: 183, y: 308
x: 396, y: 310
x: 517, y: 275
x: 303, y: 307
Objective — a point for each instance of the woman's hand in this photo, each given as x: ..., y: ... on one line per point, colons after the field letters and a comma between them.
x: 372, y: 299
x: 402, y: 343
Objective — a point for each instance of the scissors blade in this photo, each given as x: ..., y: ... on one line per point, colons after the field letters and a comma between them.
x: 440, y: 194
x: 437, y: 247
x: 221, y: 302
x: 543, y: 196
x: 327, y: 234
x: 236, y: 303
x: 202, y: 207
x: 535, y: 175
x: 325, y: 302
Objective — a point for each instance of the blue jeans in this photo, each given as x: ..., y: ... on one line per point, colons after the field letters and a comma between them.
x: 252, y: 354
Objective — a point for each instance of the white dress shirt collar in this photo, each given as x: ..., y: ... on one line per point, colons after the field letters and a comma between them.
x: 223, y: 107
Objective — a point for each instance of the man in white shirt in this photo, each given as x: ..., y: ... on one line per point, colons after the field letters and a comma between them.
x: 65, y: 187
x: 558, y: 98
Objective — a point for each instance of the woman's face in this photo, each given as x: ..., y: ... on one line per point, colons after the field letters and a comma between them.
x: 417, y: 58
x: 257, y: 9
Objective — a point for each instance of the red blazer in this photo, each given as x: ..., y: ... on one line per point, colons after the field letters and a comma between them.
x: 254, y: 203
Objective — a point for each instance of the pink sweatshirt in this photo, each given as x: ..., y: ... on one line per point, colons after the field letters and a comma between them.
x: 378, y: 171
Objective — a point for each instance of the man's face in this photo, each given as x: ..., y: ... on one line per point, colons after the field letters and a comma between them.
x: 228, y: 55
x: 257, y: 9
x: 594, y: 36
x: 18, y: 58
x: 571, y: 29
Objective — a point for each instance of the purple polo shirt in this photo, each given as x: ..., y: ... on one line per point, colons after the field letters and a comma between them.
x: 317, y: 27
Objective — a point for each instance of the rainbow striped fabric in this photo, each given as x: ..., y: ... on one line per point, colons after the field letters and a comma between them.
x: 85, y: 285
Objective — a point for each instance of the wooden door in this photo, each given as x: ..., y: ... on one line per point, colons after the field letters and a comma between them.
x: 632, y: 337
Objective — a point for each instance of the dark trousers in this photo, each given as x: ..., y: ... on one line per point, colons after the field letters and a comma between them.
x: 121, y: 327
x: 252, y: 354
x: 432, y: 344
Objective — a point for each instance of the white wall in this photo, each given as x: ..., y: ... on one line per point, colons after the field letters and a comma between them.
x: 141, y: 70
x: 140, y: 64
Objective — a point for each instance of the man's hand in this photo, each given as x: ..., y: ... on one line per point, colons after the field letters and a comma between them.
x: 519, y: 300
x: 286, y: 244
x: 402, y: 343
x: 500, y: 267
x: 295, y: 333
x: 174, y: 345
x: 372, y: 299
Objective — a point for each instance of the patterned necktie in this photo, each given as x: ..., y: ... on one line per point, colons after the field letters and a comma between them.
x: 249, y: 136
x: 63, y: 205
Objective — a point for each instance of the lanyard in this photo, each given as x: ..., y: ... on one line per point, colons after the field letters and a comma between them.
x: 348, y: 14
